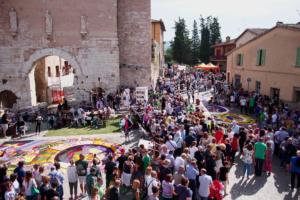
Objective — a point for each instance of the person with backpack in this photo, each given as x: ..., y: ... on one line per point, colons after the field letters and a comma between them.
x: 91, y: 180
x: 57, y: 177
x: 81, y: 168
x: 295, y: 170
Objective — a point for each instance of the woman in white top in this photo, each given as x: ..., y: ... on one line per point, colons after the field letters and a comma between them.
x: 248, y: 153
x: 28, y: 185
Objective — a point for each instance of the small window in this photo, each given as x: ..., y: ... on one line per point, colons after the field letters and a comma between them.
x: 239, y: 59
x: 298, y: 57
x: 261, y: 57
x: 49, y: 71
x: 57, y: 71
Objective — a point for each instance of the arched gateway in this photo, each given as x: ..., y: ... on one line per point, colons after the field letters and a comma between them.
x: 104, y: 48
x: 46, y: 86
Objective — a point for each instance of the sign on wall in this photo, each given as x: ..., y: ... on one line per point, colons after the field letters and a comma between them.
x: 141, y: 94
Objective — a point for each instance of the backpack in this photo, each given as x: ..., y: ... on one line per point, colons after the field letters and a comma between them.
x: 54, y: 178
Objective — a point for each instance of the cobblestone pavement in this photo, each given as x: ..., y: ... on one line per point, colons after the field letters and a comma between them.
x: 273, y: 187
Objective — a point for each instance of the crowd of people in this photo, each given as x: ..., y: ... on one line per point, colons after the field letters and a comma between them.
x: 190, y: 154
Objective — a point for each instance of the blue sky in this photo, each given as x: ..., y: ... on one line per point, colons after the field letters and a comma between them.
x: 234, y: 15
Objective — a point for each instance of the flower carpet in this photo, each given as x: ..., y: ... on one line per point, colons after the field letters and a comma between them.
x: 45, y: 152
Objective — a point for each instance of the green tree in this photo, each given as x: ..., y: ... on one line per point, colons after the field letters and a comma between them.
x: 210, y: 33
x: 205, y: 40
x: 195, y: 44
x: 215, y: 32
x: 168, y: 55
x: 181, y: 45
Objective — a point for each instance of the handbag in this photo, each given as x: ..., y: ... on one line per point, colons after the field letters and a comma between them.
x: 34, y: 191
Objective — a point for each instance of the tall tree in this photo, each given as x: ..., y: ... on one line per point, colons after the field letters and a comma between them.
x: 205, y: 40
x: 215, y: 32
x: 181, y: 44
x: 195, y: 44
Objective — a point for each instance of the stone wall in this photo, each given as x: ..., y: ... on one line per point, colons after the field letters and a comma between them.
x: 94, y: 55
x: 134, y: 32
x: 40, y: 80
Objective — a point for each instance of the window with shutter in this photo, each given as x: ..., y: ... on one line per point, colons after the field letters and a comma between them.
x: 298, y: 57
x: 239, y: 59
x: 263, y: 57
x: 258, y: 57
x: 242, y: 59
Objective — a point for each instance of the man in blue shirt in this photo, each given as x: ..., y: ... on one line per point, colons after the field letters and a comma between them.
x: 20, y: 173
x: 295, y: 170
x: 191, y: 173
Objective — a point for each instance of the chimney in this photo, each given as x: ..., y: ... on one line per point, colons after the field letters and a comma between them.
x: 279, y: 23
x: 227, y: 39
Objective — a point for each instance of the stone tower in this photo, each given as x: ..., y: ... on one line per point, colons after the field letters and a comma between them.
x: 134, y: 33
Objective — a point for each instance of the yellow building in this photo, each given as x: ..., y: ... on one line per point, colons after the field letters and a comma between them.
x: 268, y: 63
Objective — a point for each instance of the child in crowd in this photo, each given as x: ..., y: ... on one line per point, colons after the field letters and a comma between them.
x: 268, y: 162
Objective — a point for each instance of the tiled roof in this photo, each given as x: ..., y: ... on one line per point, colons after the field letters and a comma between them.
x: 257, y: 31
x: 224, y: 43
x: 278, y: 25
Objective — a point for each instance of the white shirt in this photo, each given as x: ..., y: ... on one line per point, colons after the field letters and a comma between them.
x: 205, y: 181
x: 178, y: 161
x: 72, y: 174
x: 10, y: 195
x: 171, y: 145
x: 274, y: 118
x: 243, y: 102
x: 28, y: 186
x: 193, y: 150
x: 16, y: 186
x: 247, y: 156
x: 178, y: 141
x: 151, y: 182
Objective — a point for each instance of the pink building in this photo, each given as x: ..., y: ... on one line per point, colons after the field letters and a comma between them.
x: 268, y: 63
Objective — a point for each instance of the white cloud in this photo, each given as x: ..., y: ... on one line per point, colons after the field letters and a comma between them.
x: 234, y: 15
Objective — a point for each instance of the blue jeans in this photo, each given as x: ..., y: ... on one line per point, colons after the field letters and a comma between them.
x: 248, y: 169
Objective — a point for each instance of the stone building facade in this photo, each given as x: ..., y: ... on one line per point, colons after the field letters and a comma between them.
x: 107, y: 42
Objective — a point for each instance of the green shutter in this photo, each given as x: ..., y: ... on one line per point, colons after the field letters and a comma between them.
x: 263, y: 57
x: 242, y: 59
x: 298, y: 57
x: 237, y: 59
x: 257, y: 57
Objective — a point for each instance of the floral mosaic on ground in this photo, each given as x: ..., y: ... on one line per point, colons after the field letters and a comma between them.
x: 228, y: 118
x: 44, y: 152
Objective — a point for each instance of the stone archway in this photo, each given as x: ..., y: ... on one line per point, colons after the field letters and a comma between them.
x: 29, y: 68
x: 38, y: 54
x: 7, y: 99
